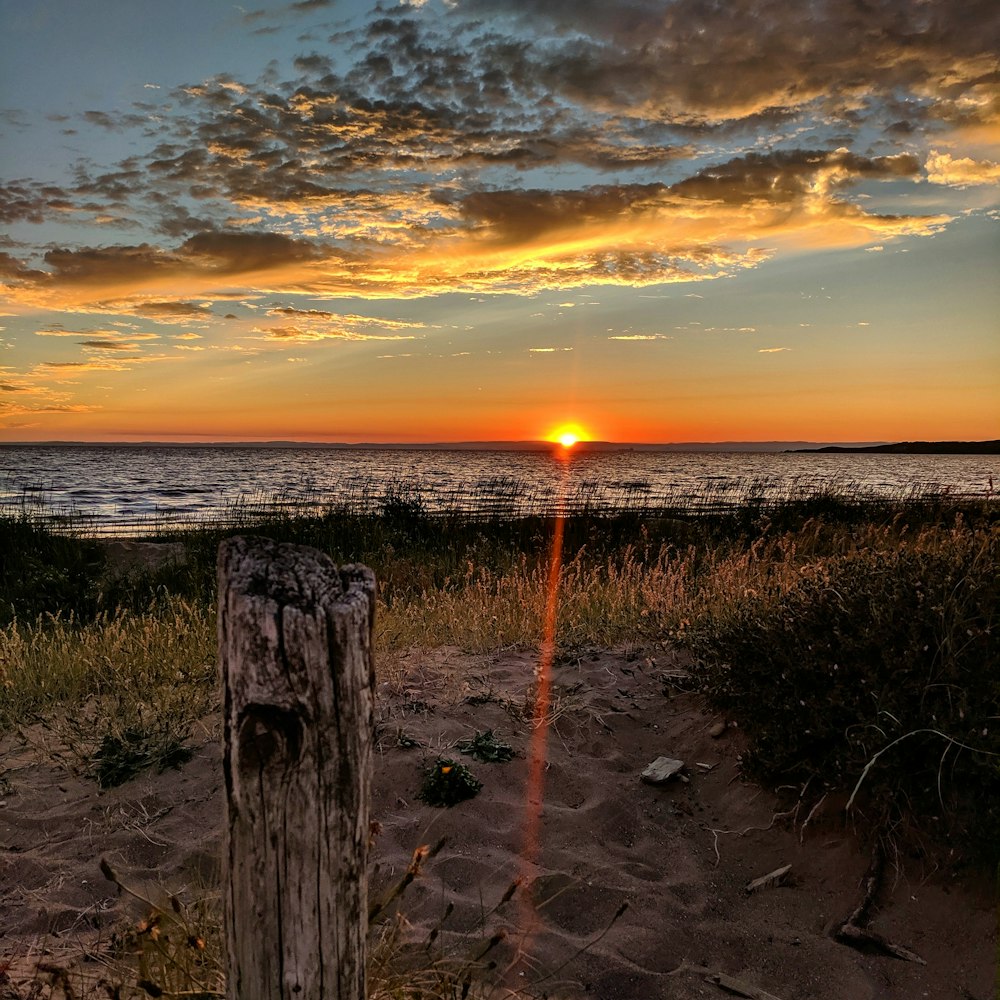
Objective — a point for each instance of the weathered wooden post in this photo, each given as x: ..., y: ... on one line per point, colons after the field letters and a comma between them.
x: 295, y: 650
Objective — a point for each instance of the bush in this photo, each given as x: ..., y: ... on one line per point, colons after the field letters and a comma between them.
x: 42, y: 571
x: 865, y: 649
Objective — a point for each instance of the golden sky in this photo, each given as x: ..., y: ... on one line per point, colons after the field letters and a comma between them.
x: 453, y: 221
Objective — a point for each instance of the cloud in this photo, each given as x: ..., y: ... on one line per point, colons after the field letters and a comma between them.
x: 102, y: 364
x: 313, y: 325
x: 30, y: 201
x: 662, y: 61
x: 963, y: 172
x: 94, y: 275
x: 175, y: 311
x: 772, y: 350
x: 301, y: 335
x: 521, y: 241
x: 640, y: 336
x: 116, y: 336
x: 16, y: 272
x: 8, y: 410
x: 519, y: 147
x: 352, y: 320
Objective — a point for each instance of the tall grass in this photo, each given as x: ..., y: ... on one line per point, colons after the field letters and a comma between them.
x: 54, y: 660
x: 855, y: 643
x: 830, y: 628
x: 875, y: 670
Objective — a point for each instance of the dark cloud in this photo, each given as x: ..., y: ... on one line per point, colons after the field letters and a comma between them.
x: 209, y: 253
x: 290, y: 311
x: 111, y: 264
x: 27, y: 201
x: 242, y: 252
x: 114, y: 186
x: 155, y: 310
x: 783, y: 176
x: 114, y: 122
x: 313, y: 64
x: 695, y: 59
x: 504, y: 86
x: 433, y: 135
x: 12, y: 269
x: 107, y: 345
x: 519, y: 215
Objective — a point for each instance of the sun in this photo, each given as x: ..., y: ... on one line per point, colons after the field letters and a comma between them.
x: 568, y: 435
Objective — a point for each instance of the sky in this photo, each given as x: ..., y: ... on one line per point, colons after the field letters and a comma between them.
x: 476, y: 220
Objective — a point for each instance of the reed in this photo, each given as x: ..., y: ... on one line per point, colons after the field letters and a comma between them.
x: 829, y: 626
x: 854, y: 642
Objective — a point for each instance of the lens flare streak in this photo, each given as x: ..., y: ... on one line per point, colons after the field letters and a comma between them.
x: 537, y: 759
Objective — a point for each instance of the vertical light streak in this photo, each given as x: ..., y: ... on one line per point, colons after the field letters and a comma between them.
x: 537, y: 758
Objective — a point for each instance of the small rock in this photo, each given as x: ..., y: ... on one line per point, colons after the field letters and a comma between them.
x: 717, y: 730
x: 662, y: 769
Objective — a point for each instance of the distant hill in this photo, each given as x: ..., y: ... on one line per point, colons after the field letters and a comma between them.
x: 914, y: 448
x: 791, y: 447
x: 675, y: 446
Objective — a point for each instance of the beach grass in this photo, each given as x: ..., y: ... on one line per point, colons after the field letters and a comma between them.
x: 855, y: 644
x: 829, y: 628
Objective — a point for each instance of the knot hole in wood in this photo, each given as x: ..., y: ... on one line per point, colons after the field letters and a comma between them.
x: 269, y: 736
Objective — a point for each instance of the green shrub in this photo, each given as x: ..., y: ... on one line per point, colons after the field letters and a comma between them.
x: 42, y: 571
x: 864, y: 649
x: 446, y: 783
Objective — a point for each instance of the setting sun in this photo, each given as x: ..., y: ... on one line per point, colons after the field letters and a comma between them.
x: 568, y: 435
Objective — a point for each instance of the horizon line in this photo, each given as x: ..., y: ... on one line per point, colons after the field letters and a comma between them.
x: 469, y: 444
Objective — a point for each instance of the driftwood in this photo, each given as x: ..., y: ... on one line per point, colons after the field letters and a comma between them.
x: 770, y: 879
x: 725, y: 982
x: 737, y: 987
x: 295, y: 651
x: 856, y: 933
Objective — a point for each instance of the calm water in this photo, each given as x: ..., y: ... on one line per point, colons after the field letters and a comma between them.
x: 124, y: 488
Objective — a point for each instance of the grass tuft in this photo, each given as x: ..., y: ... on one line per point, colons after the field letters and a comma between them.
x: 880, y: 661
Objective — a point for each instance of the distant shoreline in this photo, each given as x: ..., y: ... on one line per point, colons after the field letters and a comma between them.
x: 909, y: 448
x: 770, y: 447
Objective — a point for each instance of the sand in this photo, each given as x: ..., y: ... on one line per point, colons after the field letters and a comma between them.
x: 680, y: 855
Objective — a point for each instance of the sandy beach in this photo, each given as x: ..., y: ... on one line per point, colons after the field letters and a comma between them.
x: 680, y: 855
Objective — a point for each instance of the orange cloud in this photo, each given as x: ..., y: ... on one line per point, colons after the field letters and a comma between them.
x: 943, y: 168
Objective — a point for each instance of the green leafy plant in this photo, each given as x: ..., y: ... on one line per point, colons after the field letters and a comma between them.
x: 446, y: 783
x: 486, y: 747
x: 116, y: 739
x: 126, y: 753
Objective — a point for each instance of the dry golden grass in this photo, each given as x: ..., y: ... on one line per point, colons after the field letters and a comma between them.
x: 161, y: 663
x: 636, y: 596
x: 55, y: 661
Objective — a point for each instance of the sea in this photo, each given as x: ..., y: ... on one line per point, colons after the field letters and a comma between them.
x: 138, y: 490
